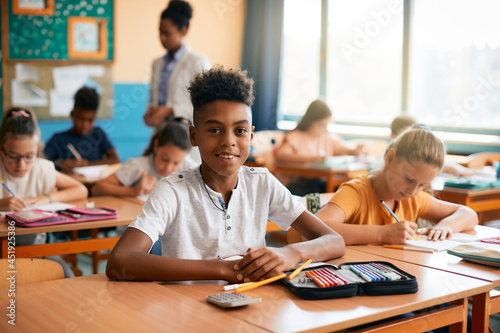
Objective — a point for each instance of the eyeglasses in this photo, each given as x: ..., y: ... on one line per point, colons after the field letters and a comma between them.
x: 14, y: 158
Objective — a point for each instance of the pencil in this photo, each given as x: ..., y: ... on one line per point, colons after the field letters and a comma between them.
x: 143, y: 173
x: 299, y: 269
x: 409, y: 248
x: 8, y: 189
x: 260, y: 283
x: 236, y: 286
x: 389, y: 210
x: 73, y: 150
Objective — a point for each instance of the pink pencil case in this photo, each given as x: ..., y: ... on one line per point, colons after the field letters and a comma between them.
x: 39, y: 218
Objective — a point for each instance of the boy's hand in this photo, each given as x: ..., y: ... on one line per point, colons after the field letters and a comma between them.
x: 437, y: 232
x: 264, y: 262
x: 399, y: 232
x: 12, y: 204
x: 146, y: 185
x: 72, y: 163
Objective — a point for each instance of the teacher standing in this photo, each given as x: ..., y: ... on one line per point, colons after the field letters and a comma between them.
x: 172, y: 73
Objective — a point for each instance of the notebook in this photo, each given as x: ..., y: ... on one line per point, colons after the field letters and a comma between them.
x: 441, y: 245
x: 39, y: 217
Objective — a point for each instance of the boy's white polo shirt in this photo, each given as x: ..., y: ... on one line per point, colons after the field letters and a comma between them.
x: 180, y: 211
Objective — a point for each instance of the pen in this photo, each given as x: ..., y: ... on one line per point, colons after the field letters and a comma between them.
x: 260, y: 283
x: 420, y: 249
x: 235, y: 286
x: 299, y: 269
x: 73, y: 150
x: 8, y: 189
x: 389, y: 210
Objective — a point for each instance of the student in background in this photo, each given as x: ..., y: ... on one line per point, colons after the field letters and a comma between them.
x: 172, y: 72
x: 30, y: 179
x: 83, y: 144
x: 310, y: 141
x: 403, y: 122
x: 166, y: 153
x: 412, y: 161
x: 220, y: 208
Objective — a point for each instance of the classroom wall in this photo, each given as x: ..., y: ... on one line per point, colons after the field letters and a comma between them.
x: 216, y: 30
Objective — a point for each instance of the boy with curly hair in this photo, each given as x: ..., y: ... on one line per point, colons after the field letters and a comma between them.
x: 219, y: 208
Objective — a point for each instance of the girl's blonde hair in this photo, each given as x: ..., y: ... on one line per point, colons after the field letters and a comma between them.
x: 419, y: 144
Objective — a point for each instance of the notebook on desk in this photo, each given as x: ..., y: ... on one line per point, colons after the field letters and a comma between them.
x: 40, y: 218
x: 441, y: 245
x: 472, y: 184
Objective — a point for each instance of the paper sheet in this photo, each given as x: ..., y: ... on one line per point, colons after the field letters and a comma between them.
x: 26, y: 73
x: 27, y: 94
x: 61, y: 104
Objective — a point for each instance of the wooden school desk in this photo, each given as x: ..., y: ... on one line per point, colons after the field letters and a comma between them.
x: 482, y: 304
x: 479, y: 200
x: 334, y: 177
x: 93, y: 303
x: 127, y: 211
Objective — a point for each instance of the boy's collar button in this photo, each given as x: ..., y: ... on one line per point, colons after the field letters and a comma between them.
x: 228, y: 217
x: 251, y: 169
x: 180, y: 176
x: 228, y: 228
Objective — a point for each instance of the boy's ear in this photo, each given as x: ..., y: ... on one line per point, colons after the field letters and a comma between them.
x: 251, y: 136
x: 192, y: 136
x: 183, y: 32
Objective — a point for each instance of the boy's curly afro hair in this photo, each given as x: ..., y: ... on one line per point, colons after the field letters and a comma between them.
x: 220, y: 84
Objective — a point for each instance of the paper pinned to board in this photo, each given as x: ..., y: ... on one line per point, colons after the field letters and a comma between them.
x: 27, y: 94
x: 26, y: 73
x: 61, y: 104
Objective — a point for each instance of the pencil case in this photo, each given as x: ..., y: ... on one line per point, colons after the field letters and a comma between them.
x: 39, y: 218
x: 347, y: 280
x: 486, y: 252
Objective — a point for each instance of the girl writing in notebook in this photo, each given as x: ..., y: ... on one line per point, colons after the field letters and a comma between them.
x: 166, y: 153
x: 358, y: 209
x: 28, y: 179
x: 311, y: 142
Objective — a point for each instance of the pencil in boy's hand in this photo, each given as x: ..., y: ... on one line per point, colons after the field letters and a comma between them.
x: 73, y: 151
x: 8, y: 189
x: 260, y: 283
x: 389, y: 210
x: 299, y: 269
x: 143, y: 173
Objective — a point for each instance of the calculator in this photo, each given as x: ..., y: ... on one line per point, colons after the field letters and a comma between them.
x: 232, y: 299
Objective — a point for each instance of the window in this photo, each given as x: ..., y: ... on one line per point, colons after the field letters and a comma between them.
x: 301, y: 56
x: 438, y: 60
x: 363, y: 81
x: 454, y: 63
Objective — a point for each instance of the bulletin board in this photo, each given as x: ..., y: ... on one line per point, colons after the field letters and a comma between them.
x: 46, y: 84
x: 81, y: 27
x: 49, y: 34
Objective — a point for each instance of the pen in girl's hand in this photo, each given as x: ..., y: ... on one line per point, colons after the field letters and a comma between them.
x: 389, y: 210
x: 8, y: 189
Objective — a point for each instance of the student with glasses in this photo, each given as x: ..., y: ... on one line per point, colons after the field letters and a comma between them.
x: 27, y: 178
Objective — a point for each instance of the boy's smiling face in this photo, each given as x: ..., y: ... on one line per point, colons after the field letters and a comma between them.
x: 224, y: 134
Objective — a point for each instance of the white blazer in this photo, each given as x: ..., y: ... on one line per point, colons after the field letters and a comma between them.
x: 184, y: 71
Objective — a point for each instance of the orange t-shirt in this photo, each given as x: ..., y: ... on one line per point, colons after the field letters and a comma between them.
x: 362, y: 206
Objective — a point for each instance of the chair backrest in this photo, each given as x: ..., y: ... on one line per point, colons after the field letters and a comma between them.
x: 264, y: 144
x: 479, y: 160
x: 30, y: 270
